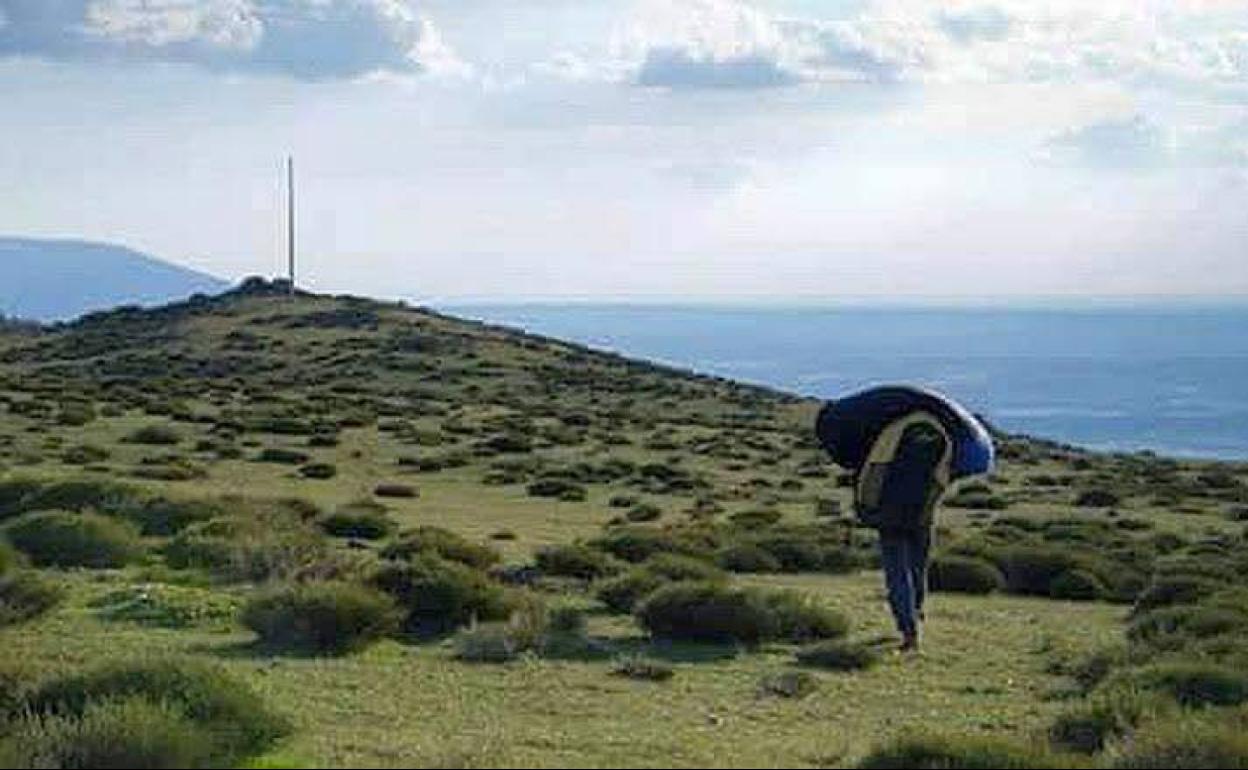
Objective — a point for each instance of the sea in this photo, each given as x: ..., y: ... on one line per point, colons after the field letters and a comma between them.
x: 1167, y: 377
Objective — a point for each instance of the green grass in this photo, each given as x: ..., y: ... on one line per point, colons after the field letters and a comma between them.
x: 983, y: 672
x: 992, y: 665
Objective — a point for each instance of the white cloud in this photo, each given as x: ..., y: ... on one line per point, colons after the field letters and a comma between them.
x: 1130, y: 142
x: 699, y: 43
x: 306, y: 39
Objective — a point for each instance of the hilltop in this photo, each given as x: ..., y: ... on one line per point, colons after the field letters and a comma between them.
x: 423, y: 541
x: 48, y: 279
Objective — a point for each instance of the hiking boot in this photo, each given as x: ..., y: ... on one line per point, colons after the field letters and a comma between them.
x: 909, y: 643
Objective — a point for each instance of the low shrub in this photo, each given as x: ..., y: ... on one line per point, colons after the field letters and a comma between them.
x: 623, y: 593
x: 964, y: 574
x: 280, y: 456
x: 939, y: 752
x: 839, y: 655
x: 1168, y: 591
x: 1097, y: 498
x: 788, y: 684
x: 76, y: 495
x: 1174, y: 627
x: 638, y: 543
x: 319, y: 471
x: 1031, y: 570
x: 1077, y: 585
x: 331, y: 618
x: 675, y: 567
x: 714, y: 612
x: 746, y: 558
x: 559, y: 489
x: 402, y: 491
x: 576, y: 561
x: 977, y: 500
x: 236, y: 721
x: 642, y: 669
x: 24, y: 596
x: 1190, y: 743
x: 131, y: 733
x: 442, y: 543
x: 643, y: 512
x: 14, y: 493
x: 1087, y: 728
x: 255, y: 542
x: 359, y: 523
x: 438, y: 595
x: 155, y: 435
x: 489, y: 643
x: 1194, y: 683
x: 64, y: 539
x: 800, y: 618
x: 161, y: 517
x: 84, y: 454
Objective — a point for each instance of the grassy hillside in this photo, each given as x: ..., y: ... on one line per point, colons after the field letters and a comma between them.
x: 428, y: 542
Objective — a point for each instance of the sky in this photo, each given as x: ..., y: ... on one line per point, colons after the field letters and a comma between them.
x: 452, y: 149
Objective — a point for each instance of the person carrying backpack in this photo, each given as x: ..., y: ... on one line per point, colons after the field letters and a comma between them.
x: 898, y: 487
x: 906, y: 445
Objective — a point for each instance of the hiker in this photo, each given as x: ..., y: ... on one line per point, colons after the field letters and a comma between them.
x: 906, y: 445
x: 905, y: 473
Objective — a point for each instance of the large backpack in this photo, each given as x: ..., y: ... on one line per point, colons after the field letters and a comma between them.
x: 905, y: 473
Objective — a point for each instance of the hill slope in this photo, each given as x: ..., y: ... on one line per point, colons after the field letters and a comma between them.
x: 47, y: 280
x: 254, y: 439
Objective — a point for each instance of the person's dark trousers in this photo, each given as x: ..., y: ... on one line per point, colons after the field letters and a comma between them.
x: 904, y: 553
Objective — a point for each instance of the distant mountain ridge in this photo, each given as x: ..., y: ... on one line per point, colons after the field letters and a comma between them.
x: 59, y: 279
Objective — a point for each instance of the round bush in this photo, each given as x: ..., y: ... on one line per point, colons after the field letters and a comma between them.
x: 1171, y: 627
x: 25, y: 596
x: 438, y: 595
x: 1186, y: 744
x: 155, y: 435
x: 643, y: 512
x: 575, y: 561
x: 934, y: 752
x: 675, y: 567
x: 964, y: 574
x: 638, y: 543
x: 279, y: 456
x: 800, y: 618
x: 1077, y: 585
x: 744, y: 557
x: 333, y: 618
x: 63, y: 539
x: 623, y: 593
x: 1097, y: 498
x: 1031, y: 570
x: 444, y: 544
x: 839, y: 655
x: 237, y: 721
x: 358, y: 523
x: 1168, y: 591
x: 1195, y: 684
x: 131, y: 733
x: 319, y: 471
x: 559, y: 489
x: 715, y: 612
x: 1087, y: 728
x: 395, y: 491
